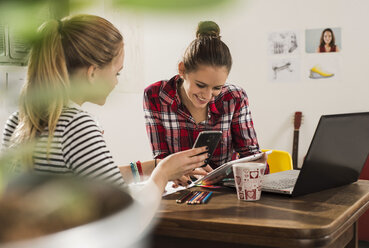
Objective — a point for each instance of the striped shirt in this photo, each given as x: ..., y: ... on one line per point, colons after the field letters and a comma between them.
x: 171, y: 127
x: 77, y: 148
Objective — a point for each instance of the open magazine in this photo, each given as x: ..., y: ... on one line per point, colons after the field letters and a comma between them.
x: 225, y: 169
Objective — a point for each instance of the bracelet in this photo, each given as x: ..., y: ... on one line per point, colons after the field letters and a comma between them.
x: 139, y: 167
x: 134, y: 170
x: 155, y: 163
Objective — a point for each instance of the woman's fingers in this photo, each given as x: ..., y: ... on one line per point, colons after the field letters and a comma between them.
x: 183, y: 181
x: 215, y: 180
x: 199, y: 159
x: 179, y: 164
x: 192, y: 166
x: 177, y: 183
x: 207, y: 168
x: 198, y: 172
x: 195, y: 151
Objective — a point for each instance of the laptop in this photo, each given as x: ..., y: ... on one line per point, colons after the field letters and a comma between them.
x: 336, y: 156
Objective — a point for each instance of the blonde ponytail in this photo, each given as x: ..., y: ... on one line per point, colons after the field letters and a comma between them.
x: 45, y: 92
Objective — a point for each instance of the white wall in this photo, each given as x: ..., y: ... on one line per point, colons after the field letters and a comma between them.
x: 245, y: 28
x: 158, y: 40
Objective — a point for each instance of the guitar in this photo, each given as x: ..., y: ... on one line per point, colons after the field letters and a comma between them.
x: 295, y: 146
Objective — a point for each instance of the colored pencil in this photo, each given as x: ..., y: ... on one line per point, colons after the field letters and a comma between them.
x: 194, y: 201
x: 202, y: 197
x: 206, y: 199
x: 193, y: 197
x: 183, y: 196
x: 188, y: 197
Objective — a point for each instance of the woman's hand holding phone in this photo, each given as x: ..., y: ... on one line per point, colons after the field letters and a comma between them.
x: 197, y: 173
x: 178, y: 164
x: 209, y: 139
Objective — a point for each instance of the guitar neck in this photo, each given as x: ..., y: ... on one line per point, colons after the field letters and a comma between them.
x: 295, y: 148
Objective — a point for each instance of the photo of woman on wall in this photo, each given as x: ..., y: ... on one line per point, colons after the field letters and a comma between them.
x: 327, y: 42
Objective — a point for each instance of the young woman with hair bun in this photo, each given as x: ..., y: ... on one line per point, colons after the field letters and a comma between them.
x: 199, y: 99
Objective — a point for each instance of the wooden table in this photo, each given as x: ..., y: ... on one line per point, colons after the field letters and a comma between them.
x: 324, y: 219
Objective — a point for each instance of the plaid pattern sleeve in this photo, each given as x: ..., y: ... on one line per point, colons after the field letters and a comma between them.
x: 243, y: 132
x: 154, y: 127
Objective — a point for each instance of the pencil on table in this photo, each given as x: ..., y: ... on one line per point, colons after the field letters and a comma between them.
x: 195, y: 201
x: 183, y: 196
x: 202, y: 197
x: 193, y: 197
x: 189, y: 196
x: 206, y: 199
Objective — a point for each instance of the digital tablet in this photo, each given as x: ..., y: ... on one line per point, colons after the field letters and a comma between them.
x: 225, y: 169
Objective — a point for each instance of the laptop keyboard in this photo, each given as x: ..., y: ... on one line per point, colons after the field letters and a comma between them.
x: 281, y: 180
x: 283, y: 183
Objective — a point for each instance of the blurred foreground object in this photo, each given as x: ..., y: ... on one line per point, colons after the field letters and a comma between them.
x: 33, y: 206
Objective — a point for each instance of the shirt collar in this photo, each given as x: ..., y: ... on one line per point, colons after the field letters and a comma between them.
x: 168, y: 94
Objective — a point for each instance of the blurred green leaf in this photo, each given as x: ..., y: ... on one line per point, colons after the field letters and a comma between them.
x: 8, y: 161
x: 24, y: 17
x: 172, y: 5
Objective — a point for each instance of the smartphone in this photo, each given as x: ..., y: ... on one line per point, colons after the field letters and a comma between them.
x: 209, y: 139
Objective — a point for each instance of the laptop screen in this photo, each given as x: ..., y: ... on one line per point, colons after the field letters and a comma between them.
x: 337, y: 153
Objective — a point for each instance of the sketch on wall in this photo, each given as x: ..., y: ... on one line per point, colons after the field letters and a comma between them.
x: 283, y: 42
x: 286, y: 69
x: 284, y: 50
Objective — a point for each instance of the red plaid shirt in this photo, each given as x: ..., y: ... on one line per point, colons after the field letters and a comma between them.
x: 171, y: 128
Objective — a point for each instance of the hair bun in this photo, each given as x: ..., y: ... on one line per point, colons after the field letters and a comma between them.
x: 207, y: 28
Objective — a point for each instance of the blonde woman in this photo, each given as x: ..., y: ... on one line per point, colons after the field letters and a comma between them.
x: 73, y: 61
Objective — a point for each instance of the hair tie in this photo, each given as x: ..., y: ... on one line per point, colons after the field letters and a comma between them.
x: 60, y: 26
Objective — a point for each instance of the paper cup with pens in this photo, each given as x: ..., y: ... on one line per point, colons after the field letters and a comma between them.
x: 248, y: 179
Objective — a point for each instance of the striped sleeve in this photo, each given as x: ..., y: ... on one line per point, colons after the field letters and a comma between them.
x: 9, y: 129
x: 85, y: 152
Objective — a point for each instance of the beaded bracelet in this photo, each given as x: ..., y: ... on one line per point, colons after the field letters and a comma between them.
x: 139, y: 167
x: 135, y: 175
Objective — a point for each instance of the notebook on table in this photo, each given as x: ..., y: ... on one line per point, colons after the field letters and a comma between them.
x: 336, y: 156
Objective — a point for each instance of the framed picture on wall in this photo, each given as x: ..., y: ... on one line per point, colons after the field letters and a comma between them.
x: 323, y: 40
x: 321, y: 68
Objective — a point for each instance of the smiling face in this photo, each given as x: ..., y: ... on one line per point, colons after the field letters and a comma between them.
x: 201, y: 86
x: 106, y: 78
x: 327, y: 37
